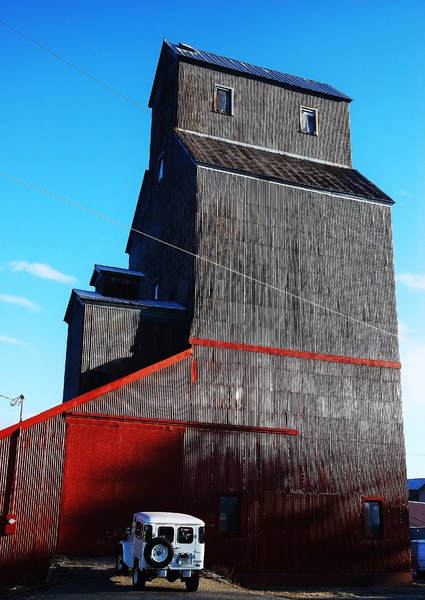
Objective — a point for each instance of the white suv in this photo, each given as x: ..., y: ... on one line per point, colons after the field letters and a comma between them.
x: 163, y: 544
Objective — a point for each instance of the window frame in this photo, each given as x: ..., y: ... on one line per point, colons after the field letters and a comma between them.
x: 230, y: 532
x: 219, y: 86
x: 155, y: 289
x: 305, y: 109
x: 160, y: 168
x: 181, y: 538
x: 367, y: 533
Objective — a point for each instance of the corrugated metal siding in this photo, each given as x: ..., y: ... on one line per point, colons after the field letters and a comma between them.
x: 162, y: 395
x: 252, y: 70
x: 265, y: 115
x: 37, y: 490
x: 285, y: 526
x: 332, y: 252
x: 100, y: 496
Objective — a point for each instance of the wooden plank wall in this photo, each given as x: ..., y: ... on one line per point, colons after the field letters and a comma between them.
x: 265, y: 114
x: 333, y: 252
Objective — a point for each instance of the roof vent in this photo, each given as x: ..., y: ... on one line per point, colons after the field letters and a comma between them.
x: 186, y: 47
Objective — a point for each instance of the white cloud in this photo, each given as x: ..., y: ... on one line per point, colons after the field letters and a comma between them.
x: 8, y: 340
x: 412, y: 281
x: 41, y: 270
x: 19, y: 300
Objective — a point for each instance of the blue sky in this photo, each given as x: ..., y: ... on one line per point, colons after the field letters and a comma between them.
x: 66, y: 134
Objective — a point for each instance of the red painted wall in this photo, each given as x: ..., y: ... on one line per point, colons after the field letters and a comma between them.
x: 113, y: 469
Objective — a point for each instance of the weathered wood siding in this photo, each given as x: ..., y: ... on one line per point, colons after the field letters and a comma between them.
x: 71, y: 387
x: 333, y: 252
x: 121, y: 340
x: 163, y: 102
x: 265, y: 114
x: 167, y: 211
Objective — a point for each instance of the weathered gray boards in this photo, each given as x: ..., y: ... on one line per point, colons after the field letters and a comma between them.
x: 293, y: 252
x: 248, y: 358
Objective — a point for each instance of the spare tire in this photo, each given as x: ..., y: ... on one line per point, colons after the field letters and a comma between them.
x: 158, y: 552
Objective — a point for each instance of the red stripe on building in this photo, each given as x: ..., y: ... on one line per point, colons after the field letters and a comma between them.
x: 75, y: 416
x: 295, y: 353
x: 194, y: 371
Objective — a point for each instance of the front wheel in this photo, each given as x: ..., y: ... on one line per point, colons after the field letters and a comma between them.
x: 138, y: 579
x: 121, y: 567
x: 192, y: 583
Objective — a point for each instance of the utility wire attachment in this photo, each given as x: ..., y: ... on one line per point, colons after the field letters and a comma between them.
x: 18, y: 401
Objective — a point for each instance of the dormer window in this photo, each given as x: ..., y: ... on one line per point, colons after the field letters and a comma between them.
x: 308, y: 120
x: 160, y: 168
x: 223, y: 100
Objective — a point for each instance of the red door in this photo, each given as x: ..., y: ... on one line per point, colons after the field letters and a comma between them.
x: 114, y: 468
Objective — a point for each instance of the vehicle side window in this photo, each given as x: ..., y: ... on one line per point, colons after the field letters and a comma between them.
x: 167, y: 532
x: 185, y: 535
x: 147, y: 533
x: 201, y: 535
x: 139, y: 528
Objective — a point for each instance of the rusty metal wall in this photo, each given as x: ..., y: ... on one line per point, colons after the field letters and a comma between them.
x: 31, y: 483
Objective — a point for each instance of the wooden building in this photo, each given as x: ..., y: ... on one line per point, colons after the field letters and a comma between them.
x: 245, y: 368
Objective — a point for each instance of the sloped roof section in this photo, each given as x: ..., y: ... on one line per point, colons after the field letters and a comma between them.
x: 187, y: 52
x: 90, y: 297
x: 415, y: 484
x: 281, y: 167
x: 100, y: 270
x: 417, y: 514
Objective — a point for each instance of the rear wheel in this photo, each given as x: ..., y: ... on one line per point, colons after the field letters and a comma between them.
x: 138, y: 578
x: 121, y: 567
x: 192, y: 583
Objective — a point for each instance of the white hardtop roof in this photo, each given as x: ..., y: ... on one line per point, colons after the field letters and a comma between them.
x: 169, y: 518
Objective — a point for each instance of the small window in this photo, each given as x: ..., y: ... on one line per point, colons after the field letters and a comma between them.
x: 229, y: 514
x: 138, y: 530
x: 147, y: 533
x: 201, y: 535
x: 308, y: 120
x: 223, y: 100
x: 166, y: 532
x: 155, y: 289
x: 185, y: 535
x: 160, y: 168
x: 373, y: 517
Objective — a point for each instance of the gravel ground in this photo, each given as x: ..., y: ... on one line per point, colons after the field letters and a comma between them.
x: 71, y: 579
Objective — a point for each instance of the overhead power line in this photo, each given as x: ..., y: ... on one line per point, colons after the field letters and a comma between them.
x: 70, y: 64
x: 193, y: 254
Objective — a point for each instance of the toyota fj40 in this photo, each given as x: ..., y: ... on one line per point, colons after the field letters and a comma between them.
x: 163, y: 544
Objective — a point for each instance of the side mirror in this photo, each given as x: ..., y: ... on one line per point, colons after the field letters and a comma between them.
x: 127, y: 531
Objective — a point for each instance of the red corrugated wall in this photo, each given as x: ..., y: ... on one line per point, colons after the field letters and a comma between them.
x: 114, y: 468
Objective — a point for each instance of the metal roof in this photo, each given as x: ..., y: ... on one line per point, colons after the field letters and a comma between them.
x: 96, y: 298
x: 100, y: 270
x: 415, y: 484
x: 192, y: 54
x: 301, y: 172
x: 417, y: 514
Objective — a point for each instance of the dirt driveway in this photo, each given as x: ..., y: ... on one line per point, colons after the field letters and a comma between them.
x: 76, y: 579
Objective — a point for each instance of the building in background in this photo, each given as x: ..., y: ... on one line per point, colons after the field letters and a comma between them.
x: 245, y: 368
